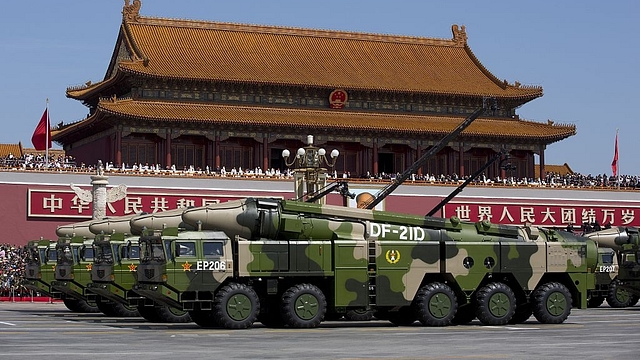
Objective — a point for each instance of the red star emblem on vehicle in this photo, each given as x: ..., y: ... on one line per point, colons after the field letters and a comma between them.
x: 132, y: 267
x: 186, y: 266
x: 89, y: 267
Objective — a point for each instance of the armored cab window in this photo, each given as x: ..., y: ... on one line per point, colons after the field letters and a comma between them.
x: 187, y: 248
x: 167, y: 247
x: 114, y: 251
x: 86, y: 253
x: 133, y: 252
x: 629, y: 258
x: 212, y: 249
x: 607, y: 259
x: 151, y: 249
x: 52, y: 255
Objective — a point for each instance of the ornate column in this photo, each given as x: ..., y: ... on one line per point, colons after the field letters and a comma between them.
x: 119, y: 147
x: 375, y: 156
x: 542, y: 172
x: 167, y: 149
x: 461, y: 159
x: 418, y: 155
x: 216, y: 151
x: 265, y: 156
x: 99, y: 197
x: 99, y: 183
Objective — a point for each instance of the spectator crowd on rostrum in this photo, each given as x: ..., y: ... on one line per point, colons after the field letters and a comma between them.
x: 67, y: 163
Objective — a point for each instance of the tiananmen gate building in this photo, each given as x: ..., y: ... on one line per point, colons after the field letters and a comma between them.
x: 210, y: 94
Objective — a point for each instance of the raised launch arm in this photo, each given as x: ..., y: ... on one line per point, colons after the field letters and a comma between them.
x: 434, y: 150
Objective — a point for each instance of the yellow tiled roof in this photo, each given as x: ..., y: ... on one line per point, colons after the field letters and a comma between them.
x: 303, y: 118
x: 213, y: 51
x: 15, y: 149
x: 562, y: 170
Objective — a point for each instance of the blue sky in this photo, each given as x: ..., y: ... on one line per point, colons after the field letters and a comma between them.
x: 583, y: 53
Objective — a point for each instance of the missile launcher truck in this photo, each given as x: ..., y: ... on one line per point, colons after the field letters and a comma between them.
x: 116, y: 258
x: 39, y: 266
x: 73, y: 270
x: 290, y: 263
x: 625, y: 242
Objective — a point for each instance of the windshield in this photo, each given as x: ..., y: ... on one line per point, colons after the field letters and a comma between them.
x: 87, y: 253
x: 103, y: 253
x: 607, y: 259
x: 151, y: 250
x: 52, y: 255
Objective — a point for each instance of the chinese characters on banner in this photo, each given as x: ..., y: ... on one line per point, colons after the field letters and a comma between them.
x: 545, y: 215
x: 65, y: 203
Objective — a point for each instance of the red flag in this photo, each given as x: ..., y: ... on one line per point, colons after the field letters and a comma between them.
x: 42, y: 133
x: 614, y: 163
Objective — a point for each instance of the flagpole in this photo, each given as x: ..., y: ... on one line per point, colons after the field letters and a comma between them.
x: 46, y: 139
x: 618, y: 179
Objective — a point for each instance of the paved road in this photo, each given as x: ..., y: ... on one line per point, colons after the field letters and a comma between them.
x: 50, y: 331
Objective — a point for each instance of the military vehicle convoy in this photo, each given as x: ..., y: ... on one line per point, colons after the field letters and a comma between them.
x: 293, y: 263
x: 73, y: 270
x: 625, y: 243
x: 117, y: 255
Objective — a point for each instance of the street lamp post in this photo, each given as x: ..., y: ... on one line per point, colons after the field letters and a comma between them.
x: 311, y: 173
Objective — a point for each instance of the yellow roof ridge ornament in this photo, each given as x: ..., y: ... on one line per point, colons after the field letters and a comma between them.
x: 131, y: 12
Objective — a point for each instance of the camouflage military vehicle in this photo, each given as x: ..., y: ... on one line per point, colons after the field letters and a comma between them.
x: 69, y: 277
x: 625, y: 288
x: 39, y: 266
x: 73, y: 269
x: 607, y: 283
x: 40, y: 273
x: 115, y: 265
x: 293, y: 263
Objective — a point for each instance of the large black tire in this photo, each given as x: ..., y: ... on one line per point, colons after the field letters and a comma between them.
x: 465, y: 314
x: 71, y: 304
x: 617, y: 296
x: 359, y: 315
x: 168, y: 314
x: 594, y: 301
x: 403, y: 317
x: 204, y: 318
x: 303, y: 306
x: 435, y: 304
x: 495, y: 304
x: 80, y: 306
x: 148, y: 313
x: 114, y: 309
x: 522, y: 314
x: 236, y: 306
x: 551, y: 303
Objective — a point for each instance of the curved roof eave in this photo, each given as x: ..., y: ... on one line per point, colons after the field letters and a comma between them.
x: 88, y: 90
x: 74, y: 127
x: 322, y: 119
